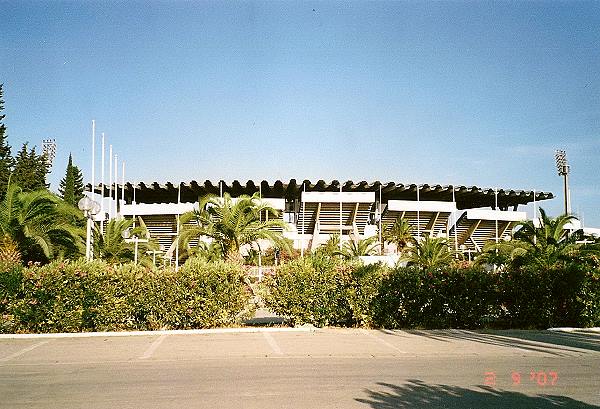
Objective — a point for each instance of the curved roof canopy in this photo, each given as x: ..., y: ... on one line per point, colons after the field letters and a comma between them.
x: 466, y: 196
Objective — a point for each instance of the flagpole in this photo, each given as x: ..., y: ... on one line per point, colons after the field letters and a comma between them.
x: 380, y: 223
x: 418, y: 215
x: 102, y: 194
x: 93, y: 154
x: 454, y: 214
x: 496, y: 208
x: 116, y: 185
x: 177, y: 238
x: 123, y: 183
x: 303, y: 218
x: 110, y: 181
x: 340, y: 216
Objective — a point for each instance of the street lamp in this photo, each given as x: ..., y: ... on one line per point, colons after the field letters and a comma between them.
x: 563, y: 168
x: 89, y: 208
x: 129, y: 238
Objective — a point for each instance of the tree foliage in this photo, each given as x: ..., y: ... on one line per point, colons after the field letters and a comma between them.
x: 350, y: 249
x: 232, y: 223
x: 39, y: 223
x: 6, y: 159
x: 544, y: 244
x: 71, y: 186
x: 27, y: 169
x: 399, y: 233
x: 112, y: 247
x: 30, y: 170
x: 429, y: 253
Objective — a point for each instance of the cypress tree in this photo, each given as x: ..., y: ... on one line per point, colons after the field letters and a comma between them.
x: 71, y: 186
x: 78, y: 182
x: 30, y: 169
x: 6, y: 159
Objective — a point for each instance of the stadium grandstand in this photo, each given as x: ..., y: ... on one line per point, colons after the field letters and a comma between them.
x: 467, y: 216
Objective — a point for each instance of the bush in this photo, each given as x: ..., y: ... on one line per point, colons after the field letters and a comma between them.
x: 310, y: 290
x: 320, y: 290
x: 408, y: 298
x: 94, y: 296
x: 535, y: 297
x: 589, y: 299
x: 362, y: 289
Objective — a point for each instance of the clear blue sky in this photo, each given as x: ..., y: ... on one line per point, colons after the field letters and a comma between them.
x: 473, y: 93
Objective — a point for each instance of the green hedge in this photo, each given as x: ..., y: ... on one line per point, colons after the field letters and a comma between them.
x: 447, y: 298
x: 310, y: 290
x: 320, y: 290
x: 323, y: 291
x: 95, y: 296
x: 535, y: 297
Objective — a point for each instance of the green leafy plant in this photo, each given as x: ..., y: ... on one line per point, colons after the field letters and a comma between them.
x: 39, y: 224
x: 429, y: 253
x: 113, y: 247
x: 232, y: 223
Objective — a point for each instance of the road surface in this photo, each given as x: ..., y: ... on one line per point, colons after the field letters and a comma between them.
x: 323, y: 368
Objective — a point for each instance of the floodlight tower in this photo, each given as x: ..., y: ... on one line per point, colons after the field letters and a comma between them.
x: 563, y: 170
x: 49, y: 150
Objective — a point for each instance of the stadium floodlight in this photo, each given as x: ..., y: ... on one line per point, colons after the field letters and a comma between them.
x: 563, y: 168
x: 49, y: 151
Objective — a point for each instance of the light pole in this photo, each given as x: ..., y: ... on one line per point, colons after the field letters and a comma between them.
x: 129, y: 238
x: 563, y: 170
x: 89, y: 209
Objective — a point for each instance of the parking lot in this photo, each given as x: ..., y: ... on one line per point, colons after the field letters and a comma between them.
x: 304, y: 368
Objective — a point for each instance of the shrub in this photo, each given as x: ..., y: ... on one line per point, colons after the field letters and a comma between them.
x: 362, y: 289
x: 310, y: 290
x: 410, y: 297
x: 535, y: 297
x: 94, y: 296
x: 589, y: 299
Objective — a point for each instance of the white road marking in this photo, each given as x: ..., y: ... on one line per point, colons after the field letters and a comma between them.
x: 242, y: 330
x: 150, y: 351
x: 23, y: 351
x: 272, y: 343
x: 383, y: 341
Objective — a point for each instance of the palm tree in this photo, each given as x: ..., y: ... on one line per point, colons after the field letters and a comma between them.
x: 399, y: 233
x: 232, y: 223
x: 112, y: 247
x: 429, y: 253
x: 37, y: 225
x: 331, y: 247
x: 545, y: 245
x: 353, y: 249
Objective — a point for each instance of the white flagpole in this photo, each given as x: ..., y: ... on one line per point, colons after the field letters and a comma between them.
x: 380, y: 223
x: 340, y: 216
x: 418, y: 215
x: 454, y: 214
x: 110, y: 181
x: 534, y: 218
x: 93, y: 154
x: 534, y: 207
x: 123, y: 184
x: 177, y: 238
x: 496, y: 208
x: 303, y: 218
x: 116, y: 184
x: 102, y: 194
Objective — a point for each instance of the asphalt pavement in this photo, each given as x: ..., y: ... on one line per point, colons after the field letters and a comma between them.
x: 303, y: 368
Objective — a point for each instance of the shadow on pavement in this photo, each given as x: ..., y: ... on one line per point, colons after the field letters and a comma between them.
x: 417, y: 394
x: 554, y: 343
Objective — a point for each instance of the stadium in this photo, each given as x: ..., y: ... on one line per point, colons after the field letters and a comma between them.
x: 467, y: 216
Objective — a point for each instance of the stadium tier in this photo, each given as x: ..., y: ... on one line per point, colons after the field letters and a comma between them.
x: 468, y: 216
